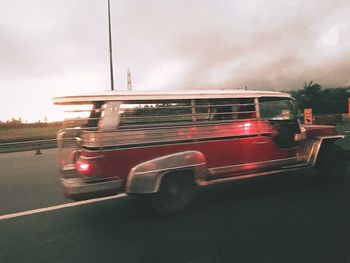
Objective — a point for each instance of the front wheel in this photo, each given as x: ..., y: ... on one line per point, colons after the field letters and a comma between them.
x: 334, y: 165
x: 175, y: 194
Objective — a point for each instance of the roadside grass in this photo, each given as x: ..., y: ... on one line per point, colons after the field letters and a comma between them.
x: 18, y: 134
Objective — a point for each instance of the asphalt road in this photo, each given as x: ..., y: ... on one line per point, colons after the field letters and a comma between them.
x: 288, y: 218
x: 29, y: 181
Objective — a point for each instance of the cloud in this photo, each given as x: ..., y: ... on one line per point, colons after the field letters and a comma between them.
x: 72, y: 40
x: 279, y: 56
x: 63, y: 45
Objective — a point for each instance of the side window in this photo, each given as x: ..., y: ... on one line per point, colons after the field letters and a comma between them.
x: 155, y: 113
x: 225, y: 109
x: 95, y: 115
x: 202, y: 110
x: 277, y: 108
x: 85, y: 116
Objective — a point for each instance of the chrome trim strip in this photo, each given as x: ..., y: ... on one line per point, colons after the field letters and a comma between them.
x: 317, y: 146
x: 295, y: 165
x: 228, y: 179
x: 168, y: 95
x: 91, y: 157
x: 314, y: 152
x: 331, y: 137
x: 68, y: 167
x: 176, y: 126
x: 163, y: 145
x: 193, y: 132
x: 75, y: 186
x: 233, y: 168
x: 171, y: 168
x: 160, y: 142
x: 183, y: 125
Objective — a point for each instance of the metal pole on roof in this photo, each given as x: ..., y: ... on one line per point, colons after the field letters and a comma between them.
x: 110, y: 45
x: 129, y: 84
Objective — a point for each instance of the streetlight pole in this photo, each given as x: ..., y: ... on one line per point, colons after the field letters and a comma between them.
x: 110, y: 46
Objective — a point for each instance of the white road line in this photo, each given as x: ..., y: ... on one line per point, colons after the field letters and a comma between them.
x: 58, y: 207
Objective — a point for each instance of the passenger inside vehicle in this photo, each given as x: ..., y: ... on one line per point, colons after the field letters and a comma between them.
x: 223, y: 113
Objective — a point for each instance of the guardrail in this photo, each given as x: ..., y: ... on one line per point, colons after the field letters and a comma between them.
x: 28, y: 145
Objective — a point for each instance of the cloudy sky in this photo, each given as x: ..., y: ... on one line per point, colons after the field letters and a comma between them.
x: 60, y: 47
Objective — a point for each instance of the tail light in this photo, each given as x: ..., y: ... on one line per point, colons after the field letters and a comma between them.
x: 84, y: 167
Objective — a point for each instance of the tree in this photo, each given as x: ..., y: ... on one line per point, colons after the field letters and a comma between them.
x: 332, y: 100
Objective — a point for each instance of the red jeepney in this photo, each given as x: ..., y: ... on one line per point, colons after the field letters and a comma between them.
x: 163, y: 145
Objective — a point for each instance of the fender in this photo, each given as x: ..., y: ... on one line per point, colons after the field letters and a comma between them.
x: 146, y: 177
x: 323, y: 145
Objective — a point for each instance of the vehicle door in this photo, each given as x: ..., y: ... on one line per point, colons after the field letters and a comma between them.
x: 279, y: 125
x: 234, y: 144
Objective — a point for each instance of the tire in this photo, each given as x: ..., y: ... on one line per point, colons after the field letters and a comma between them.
x: 175, y: 194
x: 334, y: 165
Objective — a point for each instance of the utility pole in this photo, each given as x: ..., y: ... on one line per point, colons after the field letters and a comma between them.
x: 110, y: 46
x: 129, y: 84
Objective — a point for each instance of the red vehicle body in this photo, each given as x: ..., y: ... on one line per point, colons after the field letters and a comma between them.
x: 163, y: 145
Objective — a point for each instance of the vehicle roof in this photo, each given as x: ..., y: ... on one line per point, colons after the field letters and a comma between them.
x: 164, y: 95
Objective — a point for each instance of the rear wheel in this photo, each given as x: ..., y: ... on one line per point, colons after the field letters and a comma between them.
x: 334, y: 165
x: 175, y: 193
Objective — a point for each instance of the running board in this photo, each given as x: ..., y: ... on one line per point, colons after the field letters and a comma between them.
x: 300, y: 165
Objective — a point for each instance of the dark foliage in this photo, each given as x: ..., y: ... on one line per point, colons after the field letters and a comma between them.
x: 14, y: 123
x: 322, y: 101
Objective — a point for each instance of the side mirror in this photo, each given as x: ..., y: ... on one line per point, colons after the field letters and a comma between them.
x: 300, y: 136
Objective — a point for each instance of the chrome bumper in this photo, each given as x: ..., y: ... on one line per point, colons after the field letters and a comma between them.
x: 77, y: 188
